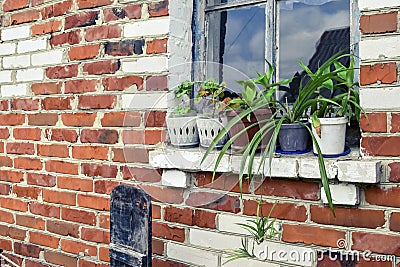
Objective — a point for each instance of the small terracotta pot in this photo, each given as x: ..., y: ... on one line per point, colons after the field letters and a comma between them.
x: 243, y: 140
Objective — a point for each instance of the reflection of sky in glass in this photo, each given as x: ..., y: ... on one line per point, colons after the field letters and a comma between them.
x: 244, y: 43
x: 301, y: 27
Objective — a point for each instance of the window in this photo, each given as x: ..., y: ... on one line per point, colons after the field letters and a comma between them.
x: 241, y: 35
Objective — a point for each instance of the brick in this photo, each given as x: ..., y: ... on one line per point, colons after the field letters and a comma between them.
x: 155, y: 118
x: 26, y: 250
x: 29, y: 263
x: 122, y: 83
x: 20, y: 32
x: 381, y: 145
x: 25, y: 16
x: 61, y: 167
x: 168, y: 232
x: 97, y: 102
x: 284, y: 211
x: 142, y: 174
x: 44, y: 210
x: 395, y: 222
x: 158, y: 9
x: 131, y: 11
x: 13, y: 232
x: 157, y: 46
x: 77, y: 248
x: 25, y: 104
x: 349, y: 217
x: 80, y: 86
x: 20, y: 148
x: 41, y: 179
x: 46, y: 27
x: 5, y: 189
x: 167, y: 263
x: 28, y: 164
x: 101, y: 67
x: 383, y: 196
x: 90, y: 152
x: 78, y: 119
x: 53, y: 150
x: 104, y: 186
x: 105, y: 221
x: 124, y: 48
x: 72, y: 37
x: 178, y: 215
x: 95, y: 235
x: 99, y: 136
x: 312, y: 235
x: 157, y: 247
x: 156, y: 212
x: 27, y: 134
x: 43, y: 240
x: 47, y: 88
x: 57, y: 9
x: 79, y: 216
x: 386, y: 73
x: 11, y: 119
x: 103, y: 32
x: 84, y: 52
x: 379, y: 23
x: 152, y: 137
x: 63, y: 228
x: 378, y: 243
x: 375, y: 123
x: 395, y: 123
x: 131, y: 154
x: 394, y: 168
x: 5, y: 161
x: 6, y: 244
x: 82, y: 4
x: 60, y: 72
x: 133, y: 137
x: 6, y: 217
x: 83, y: 19
x: 60, y: 259
x: 30, y: 221
x: 43, y: 119
x: 26, y: 192
x: 59, y: 197
x: 119, y: 119
x: 10, y: 5
x: 165, y: 195
x: 289, y: 188
x: 61, y: 135
x: 76, y: 184
x: 102, y: 170
x: 220, y: 202
x: 57, y: 103
x: 4, y: 105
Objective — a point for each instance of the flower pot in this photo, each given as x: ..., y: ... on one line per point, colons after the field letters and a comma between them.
x: 243, y: 139
x: 209, y: 128
x: 293, y: 137
x: 183, y: 131
x: 333, y: 136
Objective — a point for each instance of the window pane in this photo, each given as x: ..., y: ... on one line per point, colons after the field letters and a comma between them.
x: 236, y: 39
x: 311, y: 31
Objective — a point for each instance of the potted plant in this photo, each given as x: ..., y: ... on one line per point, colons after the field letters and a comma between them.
x: 330, y: 116
x: 181, y: 124
x: 212, y: 121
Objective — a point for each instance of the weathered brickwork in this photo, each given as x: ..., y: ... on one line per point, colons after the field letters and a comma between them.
x: 84, y: 87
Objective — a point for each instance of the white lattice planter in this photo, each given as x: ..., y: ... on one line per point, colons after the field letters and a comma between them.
x: 183, y: 131
x: 209, y: 128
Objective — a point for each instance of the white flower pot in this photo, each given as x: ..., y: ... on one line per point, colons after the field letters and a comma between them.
x: 333, y: 136
x: 183, y: 131
x: 209, y: 128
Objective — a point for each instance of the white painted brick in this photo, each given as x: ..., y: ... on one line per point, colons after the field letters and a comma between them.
x: 308, y: 168
x: 229, y: 223
x: 175, y: 178
x: 16, y: 62
x: 280, y: 167
x: 47, y: 58
x: 285, y: 253
x: 359, y: 171
x: 382, y: 48
x: 342, y: 194
x: 15, y: 33
x: 7, y: 49
x: 380, y: 99
x: 31, y: 45
x: 248, y: 263
x: 192, y: 255
x: 145, y: 64
x: 144, y: 101
x: 14, y: 90
x: 30, y: 75
x: 151, y: 27
x: 209, y: 163
x: 369, y: 4
x: 236, y: 162
x: 5, y: 76
x: 175, y: 159
x: 214, y: 240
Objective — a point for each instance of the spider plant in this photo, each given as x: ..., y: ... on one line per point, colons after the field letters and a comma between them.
x: 299, y: 111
